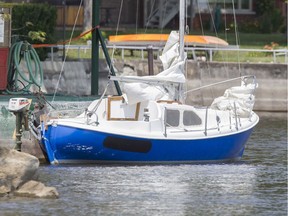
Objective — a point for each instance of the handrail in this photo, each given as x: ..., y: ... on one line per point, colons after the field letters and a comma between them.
x: 158, y: 48
x: 165, y: 122
x: 206, y: 121
x: 235, y: 113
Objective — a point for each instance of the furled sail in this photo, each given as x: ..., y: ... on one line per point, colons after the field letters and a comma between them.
x: 239, y: 99
x: 163, y: 86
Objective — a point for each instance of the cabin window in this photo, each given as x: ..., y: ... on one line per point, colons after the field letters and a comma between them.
x: 172, y: 118
x: 191, y: 118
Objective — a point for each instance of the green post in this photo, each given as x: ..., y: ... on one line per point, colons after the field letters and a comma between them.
x: 95, y: 48
x: 108, y: 60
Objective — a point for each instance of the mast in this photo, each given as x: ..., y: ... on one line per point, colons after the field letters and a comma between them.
x: 182, y: 7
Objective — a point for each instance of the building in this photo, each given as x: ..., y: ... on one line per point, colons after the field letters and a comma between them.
x: 161, y: 13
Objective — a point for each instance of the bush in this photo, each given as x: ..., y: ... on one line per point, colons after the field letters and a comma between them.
x: 265, y: 24
x: 271, y: 21
x: 89, y: 36
x: 263, y: 6
x: 277, y: 20
x: 39, y: 17
x: 249, y: 26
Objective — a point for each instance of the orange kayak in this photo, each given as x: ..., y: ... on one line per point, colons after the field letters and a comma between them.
x: 190, y: 39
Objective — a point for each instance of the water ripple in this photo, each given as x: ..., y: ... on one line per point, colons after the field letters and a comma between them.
x: 255, y: 186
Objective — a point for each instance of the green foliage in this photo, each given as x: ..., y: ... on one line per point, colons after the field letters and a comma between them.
x: 265, y: 24
x: 89, y: 36
x: 40, y: 36
x: 249, y: 26
x: 270, y: 19
x: 39, y: 20
x: 277, y: 20
x: 5, y: 17
x: 263, y: 6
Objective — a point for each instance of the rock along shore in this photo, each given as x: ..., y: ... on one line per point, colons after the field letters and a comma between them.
x: 18, y: 176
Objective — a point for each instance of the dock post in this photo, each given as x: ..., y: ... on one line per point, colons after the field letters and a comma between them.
x: 150, y: 60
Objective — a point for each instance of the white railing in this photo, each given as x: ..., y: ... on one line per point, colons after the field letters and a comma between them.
x: 209, y: 52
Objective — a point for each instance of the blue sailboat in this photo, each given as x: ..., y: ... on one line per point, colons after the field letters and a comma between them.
x: 150, y: 122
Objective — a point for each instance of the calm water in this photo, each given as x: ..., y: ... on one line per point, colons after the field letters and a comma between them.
x: 255, y: 186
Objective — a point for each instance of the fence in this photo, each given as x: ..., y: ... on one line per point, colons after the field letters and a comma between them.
x: 230, y: 53
x: 70, y: 14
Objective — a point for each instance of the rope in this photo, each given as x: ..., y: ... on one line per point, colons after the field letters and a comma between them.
x: 67, y: 41
x: 117, y: 29
x: 65, y: 57
x: 237, y: 38
x: 19, y: 51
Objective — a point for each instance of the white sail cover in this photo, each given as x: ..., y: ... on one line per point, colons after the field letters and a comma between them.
x: 162, y: 86
x: 239, y: 100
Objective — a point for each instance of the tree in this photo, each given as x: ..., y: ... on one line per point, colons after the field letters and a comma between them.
x: 270, y: 19
x: 35, y: 23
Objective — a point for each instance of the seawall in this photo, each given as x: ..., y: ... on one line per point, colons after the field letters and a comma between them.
x: 271, y: 95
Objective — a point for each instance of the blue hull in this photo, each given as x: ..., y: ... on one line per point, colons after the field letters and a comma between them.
x: 73, y: 145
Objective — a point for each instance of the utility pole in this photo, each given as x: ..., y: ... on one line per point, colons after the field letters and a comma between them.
x: 95, y: 48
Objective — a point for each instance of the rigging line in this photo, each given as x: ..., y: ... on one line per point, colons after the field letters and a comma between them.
x: 186, y: 16
x: 212, y: 18
x: 226, y: 29
x: 202, y: 31
x: 236, y: 37
x: 100, y: 100
x: 160, y: 43
x: 225, y: 21
x: 162, y: 17
x: 207, y: 55
x: 216, y: 32
x: 137, y: 14
x: 117, y: 29
x: 225, y: 56
x: 213, y: 12
x: 151, y: 12
x: 65, y: 57
x: 213, y: 84
x: 200, y: 17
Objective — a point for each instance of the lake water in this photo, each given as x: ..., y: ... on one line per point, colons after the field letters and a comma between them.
x: 257, y: 185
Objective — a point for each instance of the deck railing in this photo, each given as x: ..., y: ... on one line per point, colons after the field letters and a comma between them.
x: 210, y: 54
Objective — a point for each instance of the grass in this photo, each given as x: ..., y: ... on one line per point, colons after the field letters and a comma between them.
x: 242, y: 56
x: 245, y: 41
